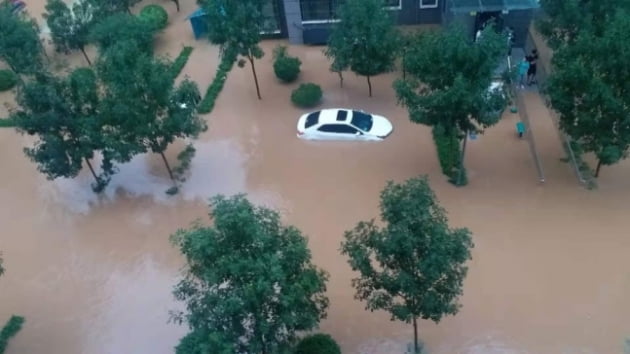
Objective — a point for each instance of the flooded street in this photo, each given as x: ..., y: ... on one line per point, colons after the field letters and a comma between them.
x: 551, y: 264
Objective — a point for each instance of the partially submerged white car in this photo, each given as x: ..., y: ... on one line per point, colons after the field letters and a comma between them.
x: 343, y: 124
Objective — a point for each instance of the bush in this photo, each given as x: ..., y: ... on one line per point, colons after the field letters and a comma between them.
x: 447, y: 146
x: 180, y: 61
x: 8, y: 79
x: 317, y: 344
x: 155, y: 16
x: 307, y: 95
x: 207, y: 103
x: 9, y: 330
x: 286, y: 67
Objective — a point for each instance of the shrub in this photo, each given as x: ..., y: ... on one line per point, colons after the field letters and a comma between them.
x: 7, y: 123
x: 10, y: 329
x: 180, y: 61
x: 8, y: 79
x: 307, y: 95
x: 207, y: 103
x: 286, y: 67
x: 155, y: 16
x: 447, y: 146
x: 317, y: 344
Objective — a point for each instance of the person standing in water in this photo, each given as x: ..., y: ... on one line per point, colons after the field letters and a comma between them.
x: 531, y: 72
x: 523, y: 71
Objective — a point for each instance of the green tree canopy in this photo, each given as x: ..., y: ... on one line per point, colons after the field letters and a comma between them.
x: 249, y: 284
x: 448, y: 80
x: 122, y: 27
x: 236, y: 25
x: 564, y: 19
x: 70, y: 27
x: 414, y: 266
x: 62, y: 114
x: 364, y: 40
x: 589, y: 89
x: 143, y: 108
x: 20, y: 46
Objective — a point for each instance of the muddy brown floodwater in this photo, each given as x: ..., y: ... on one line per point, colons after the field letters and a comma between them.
x: 550, y: 273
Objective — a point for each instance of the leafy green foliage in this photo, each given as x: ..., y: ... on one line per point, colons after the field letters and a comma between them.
x: 236, y: 26
x: 319, y: 343
x: 180, y: 61
x: 20, y: 47
x: 155, y: 16
x: 143, y: 109
x: 122, y: 27
x: 566, y: 18
x: 6, y: 123
x: 213, y: 91
x: 447, y: 82
x: 364, y: 40
x: 8, y: 79
x: 414, y: 266
x: 62, y: 114
x: 249, y: 284
x: 307, y: 95
x: 588, y: 88
x: 70, y: 27
x: 110, y: 7
x: 286, y: 67
x: 447, y: 146
x: 10, y: 329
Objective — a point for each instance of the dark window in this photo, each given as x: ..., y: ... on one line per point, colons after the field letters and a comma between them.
x: 428, y: 4
x: 271, y: 16
x: 361, y: 120
x: 319, y: 10
x: 341, y: 115
x: 337, y: 128
x: 311, y: 119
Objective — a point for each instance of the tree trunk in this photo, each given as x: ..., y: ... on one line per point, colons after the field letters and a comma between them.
x: 599, y: 165
x: 369, y: 85
x: 86, y: 56
x: 461, y: 160
x: 176, y: 4
x: 416, y: 347
x: 168, y: 167
x: 251, y: 61
x: 340, y: 79
x: 92, y: 170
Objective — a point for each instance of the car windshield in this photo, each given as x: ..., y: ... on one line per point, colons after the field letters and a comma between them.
x: 361, y: 120
x: 311, y: 119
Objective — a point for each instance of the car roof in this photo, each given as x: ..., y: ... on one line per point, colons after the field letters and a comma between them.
x: 330, y: 115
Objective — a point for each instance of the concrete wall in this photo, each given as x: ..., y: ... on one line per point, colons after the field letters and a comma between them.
x: 519, y: 21
x: 293, y: 16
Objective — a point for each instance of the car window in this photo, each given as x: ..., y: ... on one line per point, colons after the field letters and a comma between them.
x: 361, y: 120
x: 341, y: 115
x: 337, y: 128
x: 311, y: 119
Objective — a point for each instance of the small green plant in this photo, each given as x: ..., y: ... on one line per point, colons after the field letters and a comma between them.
x: 180, y: 61
x: 213, y: 91
x: 307, y: 95
x: 7, y: 123
x: 286, y: 67
x: 8, y: 79
x: 155, y: 16
x: 9, y: 330
x: 447, y: 146
x: 318, y: 344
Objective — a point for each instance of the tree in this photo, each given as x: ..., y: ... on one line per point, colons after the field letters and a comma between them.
x: 115, y: 6
x: 564, y: 19
x: 143, y: 109
x: 588, y: 88
x: 447, y: 85
x: 122, y: 27
x: 20, y: 47
x: 414, y: 266
x: 365, y: 39
x: 249, y: 284
x: 70, y: 27
x: 236, y: 25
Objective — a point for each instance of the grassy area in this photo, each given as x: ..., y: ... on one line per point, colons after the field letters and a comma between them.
x: 207, y: 104
x: 9, y: 330
x: 6, y: 123
x: 180, y: 61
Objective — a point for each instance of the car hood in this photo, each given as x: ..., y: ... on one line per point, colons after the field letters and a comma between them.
x: 381, y: 126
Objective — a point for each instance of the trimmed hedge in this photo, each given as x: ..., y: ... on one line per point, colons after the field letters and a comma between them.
x: 286, y: 67
x: 155, y: 16
x: 448, y: 150
x: 207, y: 103
x: 8, y: 80
x: 7, y: 123
x: 9, y: 330
x: 318, y: 344
x: 180, y: 61
x: 307, y: 95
